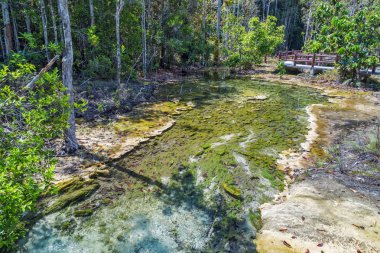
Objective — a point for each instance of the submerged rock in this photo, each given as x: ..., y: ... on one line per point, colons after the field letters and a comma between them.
x: 100, y: 173
x: 232, y: 190
x: 72, y: 196
x: 83, y: 212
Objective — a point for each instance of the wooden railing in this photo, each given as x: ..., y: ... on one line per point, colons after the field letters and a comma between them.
x: 298, y: 57
x: 320, y: 59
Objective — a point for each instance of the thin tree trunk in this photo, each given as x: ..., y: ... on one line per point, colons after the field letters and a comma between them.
x: 218, y: 31
x: 92, y: 15
x: 218, y: 21
x: 67, y: 75
x: 7, y: 28
x: 309, y: 17
x: 28, y: 22
x: 15, y: 30
x: 143, y: 27
x: 2, y: 46
x: 44, y: 27
x: 54, y: 22
x: 264, y: 3
x: 148, y: 26
x: 275, y: 9
x: 119, y: 8
x: 204, y: 29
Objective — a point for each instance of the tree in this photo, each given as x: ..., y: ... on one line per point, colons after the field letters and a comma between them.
x: 119, y: 8
x: 143, y: 28
x: 92, y: 15
x: 261, y: 39
x: 351, y: 33
x: 67, y: 75
x: 44, y: 27
x: 29, y: 118
x: 52, y: 13
x: 7, y: 27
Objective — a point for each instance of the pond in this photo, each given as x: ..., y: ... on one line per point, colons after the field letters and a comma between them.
x: 201, y: 182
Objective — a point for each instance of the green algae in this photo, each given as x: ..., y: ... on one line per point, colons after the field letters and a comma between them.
x: 255, y: 219
x: 73, y: 196
x: 232, y: 190
x: 83, y: 212
x: 194, y: 163
x: 278, y: 123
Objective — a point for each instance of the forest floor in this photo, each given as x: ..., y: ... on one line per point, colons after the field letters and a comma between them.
x: 332, y: 202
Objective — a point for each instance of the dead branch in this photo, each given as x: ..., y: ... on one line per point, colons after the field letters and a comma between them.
x: 30, y: 85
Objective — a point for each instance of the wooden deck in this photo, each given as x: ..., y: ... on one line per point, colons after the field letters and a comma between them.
x: 298, y: 60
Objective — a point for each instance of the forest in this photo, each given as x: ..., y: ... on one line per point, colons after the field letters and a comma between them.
x: 189, y: 126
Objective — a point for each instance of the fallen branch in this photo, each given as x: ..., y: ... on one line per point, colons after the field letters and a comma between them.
x: 30, y: 85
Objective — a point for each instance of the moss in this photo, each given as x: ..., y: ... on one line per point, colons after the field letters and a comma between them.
x: 275, y: 177
x: 255, y: 219
x: 71, y: 197
x: 232, y: 190
x: 65, y: 225
x: 277, y: 124
x: 83, y: 212
x: 99, y: 173
x: 71, y: 184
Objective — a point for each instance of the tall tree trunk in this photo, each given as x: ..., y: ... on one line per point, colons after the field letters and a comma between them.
x: 44, y: 27
x: 7, y: 27
x: 54, y: 22
x: 67, y: 75
x: 119, y: 8
x: 28, y: 22
x: 275, y: 9
x: 218, y: 21
x: 218, y: 31
x: 263, y: 3
x: 143, y: 27
x: 15, y: 30
x: 308, y: 23
x: 204, y: 30
x: 2, y: 46
x: 92, y: 15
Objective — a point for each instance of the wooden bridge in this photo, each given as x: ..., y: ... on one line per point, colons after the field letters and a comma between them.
x: 298, y: 60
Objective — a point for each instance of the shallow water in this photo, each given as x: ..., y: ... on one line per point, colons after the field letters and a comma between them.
x: 207, y: 175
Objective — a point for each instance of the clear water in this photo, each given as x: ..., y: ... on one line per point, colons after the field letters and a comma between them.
x: 230, y: 137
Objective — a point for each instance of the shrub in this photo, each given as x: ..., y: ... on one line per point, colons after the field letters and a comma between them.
x: 29, y: 120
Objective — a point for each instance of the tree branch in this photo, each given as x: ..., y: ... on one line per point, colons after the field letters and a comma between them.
x: 30, y: 85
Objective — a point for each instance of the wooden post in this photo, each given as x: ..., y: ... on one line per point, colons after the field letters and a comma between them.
x: 312, y: 66
x: 295, y: 58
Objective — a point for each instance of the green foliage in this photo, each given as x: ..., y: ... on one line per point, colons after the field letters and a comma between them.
x: 262, y: 38
x: 55, y: 49
x: 100, y: 67
x: 251, y: 46
x: 354, y: 36
x: 281, y: 70
x: 81, y: 105
x: 29, y: 119
x: 30, y: 40
x: 92, y: 37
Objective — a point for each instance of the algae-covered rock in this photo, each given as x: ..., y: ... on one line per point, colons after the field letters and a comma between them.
x: 83, y: 212
x: 255, y: 219
x: 72, y: 184
x: 99, y: 173
x: 71, y: 197
x: 232, y: 190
